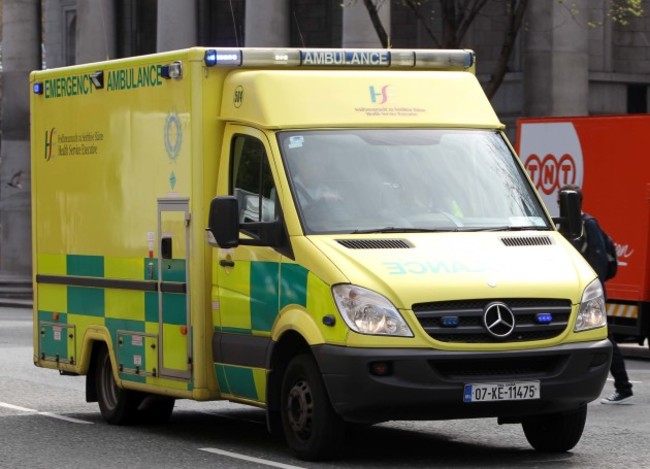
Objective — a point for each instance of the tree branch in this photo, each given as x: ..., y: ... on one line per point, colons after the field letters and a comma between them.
x: 517, y: 10
x: 376, y: 22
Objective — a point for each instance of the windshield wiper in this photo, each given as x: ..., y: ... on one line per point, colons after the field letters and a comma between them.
x: 508, y: 228
x: 394, y: 229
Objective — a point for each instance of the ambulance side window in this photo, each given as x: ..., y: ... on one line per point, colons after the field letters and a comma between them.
x: 251, y: 180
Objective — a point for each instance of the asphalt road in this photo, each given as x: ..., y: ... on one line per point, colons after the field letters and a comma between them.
x: 45, y: 423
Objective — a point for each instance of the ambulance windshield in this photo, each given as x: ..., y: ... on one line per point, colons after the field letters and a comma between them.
x: 408, y: 180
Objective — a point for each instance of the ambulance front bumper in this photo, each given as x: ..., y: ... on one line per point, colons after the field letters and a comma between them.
x: 374, y: 385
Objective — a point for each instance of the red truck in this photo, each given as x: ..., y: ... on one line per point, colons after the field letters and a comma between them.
x: 609, y: 157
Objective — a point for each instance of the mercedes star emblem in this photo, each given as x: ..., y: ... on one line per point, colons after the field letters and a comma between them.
x: 499, y: 320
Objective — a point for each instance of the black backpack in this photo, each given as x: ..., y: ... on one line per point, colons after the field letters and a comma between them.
x: 610, y: 249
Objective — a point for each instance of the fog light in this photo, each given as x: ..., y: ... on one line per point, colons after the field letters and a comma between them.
x: 381, y: 368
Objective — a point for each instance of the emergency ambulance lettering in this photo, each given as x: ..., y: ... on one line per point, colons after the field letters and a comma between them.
x: 419, y: 268
x: 132, y: 78
x: 377, y: 59
x: 324, y: 58
x: 68, y: 86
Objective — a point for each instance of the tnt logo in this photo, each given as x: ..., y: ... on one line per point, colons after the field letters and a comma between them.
x: 552, y: 155
x: 380, y: 95
x: 550, y: 172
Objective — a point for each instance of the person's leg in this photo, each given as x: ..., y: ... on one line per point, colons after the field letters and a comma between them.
x: 622, y: 384
x: 621, y: 380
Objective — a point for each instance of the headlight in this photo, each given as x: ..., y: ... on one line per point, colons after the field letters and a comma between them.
x: 592, y: 313
x: 367, y: 312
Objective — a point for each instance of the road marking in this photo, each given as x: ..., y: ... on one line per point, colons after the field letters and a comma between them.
x: 249, y: 458
x: 45, y: 414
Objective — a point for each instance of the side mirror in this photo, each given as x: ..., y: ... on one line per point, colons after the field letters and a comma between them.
x: 223, y: 221
x: 570, y: 215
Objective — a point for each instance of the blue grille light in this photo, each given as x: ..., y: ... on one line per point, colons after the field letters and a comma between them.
x: 38, y: 88
x: 450, y: 321
x: 543, y: 318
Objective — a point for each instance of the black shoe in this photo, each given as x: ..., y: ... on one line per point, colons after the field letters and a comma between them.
x: 618, y: 398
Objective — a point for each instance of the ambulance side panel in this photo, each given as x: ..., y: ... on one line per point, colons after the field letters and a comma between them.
x: 119, y: 189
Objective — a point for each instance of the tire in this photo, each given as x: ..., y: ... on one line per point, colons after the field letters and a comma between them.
x: 311, y: 428
x: 155, y: 410
x: 117, y: 406
x: 556, y: 433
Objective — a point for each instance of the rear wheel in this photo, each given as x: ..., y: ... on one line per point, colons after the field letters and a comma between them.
x: 311, y: 427
x: 117, y: 406
x: 556, y: 432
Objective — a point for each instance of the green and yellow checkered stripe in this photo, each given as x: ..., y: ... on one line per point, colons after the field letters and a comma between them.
x: 253, y: 312
x: 68, y: 304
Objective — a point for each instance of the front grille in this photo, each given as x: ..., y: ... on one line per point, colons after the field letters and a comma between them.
x: 501, y: 368
x: 468, y: 324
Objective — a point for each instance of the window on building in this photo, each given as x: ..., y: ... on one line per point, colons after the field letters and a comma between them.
x: 637, y: 99
x: 136, y: 27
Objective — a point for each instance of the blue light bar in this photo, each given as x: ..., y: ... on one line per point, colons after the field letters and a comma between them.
x: 222, y: 57
x: 427, y: 59
x: 38, y: 88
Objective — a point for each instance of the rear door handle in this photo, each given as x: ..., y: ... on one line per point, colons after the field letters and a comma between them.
x: 226, y: 263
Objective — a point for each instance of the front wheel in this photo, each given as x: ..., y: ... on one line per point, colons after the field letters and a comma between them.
x: 556, y: 433
x: 118, y: 406
x: 311, y: 427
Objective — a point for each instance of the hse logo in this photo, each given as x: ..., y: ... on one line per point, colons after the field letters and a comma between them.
x: 552, y: 155
x: 49, y: 143
x: 381, y: 95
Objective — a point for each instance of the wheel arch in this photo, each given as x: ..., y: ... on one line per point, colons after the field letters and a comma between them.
x: 290, y: 344
x: 95, y: 346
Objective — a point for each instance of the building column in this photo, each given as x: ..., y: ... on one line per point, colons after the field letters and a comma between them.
x: 556, y: 58
x: 358, y: 30
x: 267, y: 23
x: 95, y: 40
x: 21, y: 53
x: 176, y: 25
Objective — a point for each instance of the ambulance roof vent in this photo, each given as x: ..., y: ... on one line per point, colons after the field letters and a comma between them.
x: 515, y: 241
x: 375, y: 243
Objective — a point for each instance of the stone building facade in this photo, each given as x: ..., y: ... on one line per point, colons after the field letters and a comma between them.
x: 567, y: 60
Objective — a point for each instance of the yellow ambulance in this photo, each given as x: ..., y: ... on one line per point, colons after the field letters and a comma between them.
x: 336, y: 236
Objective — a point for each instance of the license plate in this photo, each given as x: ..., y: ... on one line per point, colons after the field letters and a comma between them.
x: 490, y: 392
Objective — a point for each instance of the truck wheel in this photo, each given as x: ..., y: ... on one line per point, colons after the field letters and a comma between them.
x: 117, y: 406
x: 556, y: 433
x: 311, y: 427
